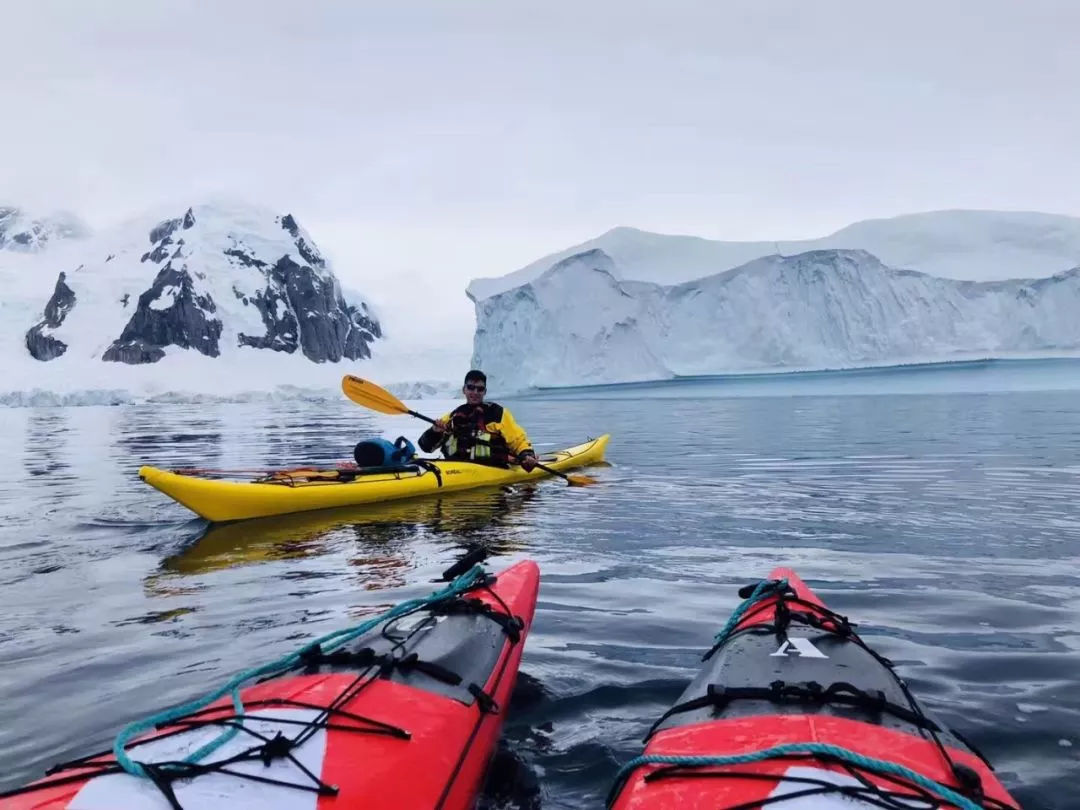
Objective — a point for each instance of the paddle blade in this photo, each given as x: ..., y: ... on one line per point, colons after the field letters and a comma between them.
x: 580, y: 480
x: 366, y: 393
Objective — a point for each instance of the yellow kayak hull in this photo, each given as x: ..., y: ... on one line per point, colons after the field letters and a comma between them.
x: 220, y: 501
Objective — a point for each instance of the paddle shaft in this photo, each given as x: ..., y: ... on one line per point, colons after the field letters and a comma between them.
x: 544, y: 467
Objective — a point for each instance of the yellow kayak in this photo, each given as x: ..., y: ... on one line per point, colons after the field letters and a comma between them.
x: 300, y: 491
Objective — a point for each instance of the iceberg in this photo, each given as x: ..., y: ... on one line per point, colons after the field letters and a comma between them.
x: 584, y: 321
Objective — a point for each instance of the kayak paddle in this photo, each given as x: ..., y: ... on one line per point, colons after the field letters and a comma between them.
x: 366, y: 393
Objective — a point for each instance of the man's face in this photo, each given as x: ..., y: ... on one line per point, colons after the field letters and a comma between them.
x: 474, y: 392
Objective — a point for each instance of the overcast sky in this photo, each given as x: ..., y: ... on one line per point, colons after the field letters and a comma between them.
x: 424, y: 144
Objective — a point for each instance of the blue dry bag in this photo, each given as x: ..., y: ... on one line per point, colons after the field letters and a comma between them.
x: 381, y: 453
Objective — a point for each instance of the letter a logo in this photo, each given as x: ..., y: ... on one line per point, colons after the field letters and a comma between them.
x: 802, y: 647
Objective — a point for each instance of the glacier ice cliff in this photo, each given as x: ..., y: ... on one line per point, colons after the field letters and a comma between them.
x: 582, y: 321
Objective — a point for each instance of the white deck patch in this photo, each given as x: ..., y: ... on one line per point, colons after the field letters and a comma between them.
x: 216, y: 790
x: 825, y: 801
x: 802, y: 647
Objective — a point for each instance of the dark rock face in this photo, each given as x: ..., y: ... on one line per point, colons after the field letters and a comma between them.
x: 307, y: 251
x: 330, y: 329
x: 61, y: 302
x: 133, y: 352
x: 186, y: 322
x: 163, y: 230
x: 282, y: 333
x: 161, y: 238
x: 302, y: 308
x: 289, y: 224
x: 46, y: 347
x: 245, y: 258
x: 159, y: 253
x: 363, y: 331
x: 43, y: 347
x: 168, y: 227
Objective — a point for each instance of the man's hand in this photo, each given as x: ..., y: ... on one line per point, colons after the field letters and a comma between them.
x: 528, y: 464
x: 439, y: 426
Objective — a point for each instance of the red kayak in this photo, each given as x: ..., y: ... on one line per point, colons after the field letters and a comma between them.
x: 404, y: 715
x: 792, y: 710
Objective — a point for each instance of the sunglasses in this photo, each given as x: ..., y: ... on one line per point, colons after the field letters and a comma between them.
x: 478, y: 388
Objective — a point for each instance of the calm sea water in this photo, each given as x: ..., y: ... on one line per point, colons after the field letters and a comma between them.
x: 940, y: 514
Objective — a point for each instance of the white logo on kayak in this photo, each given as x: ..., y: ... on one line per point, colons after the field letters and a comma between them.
x: 802, y: 646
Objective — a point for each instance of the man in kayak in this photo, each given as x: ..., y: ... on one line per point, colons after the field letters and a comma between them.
x: 479, y: 431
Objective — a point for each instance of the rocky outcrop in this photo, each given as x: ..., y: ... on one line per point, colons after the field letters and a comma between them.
x: 163, y: 230
x: 43, y: 346
x: 282, y: 331
x: 288, y: 222
x: 244, y: 257
x: 160, y: 253
x: 308, y: 252
x: 61, y: 303
x: 133, y: 352
x: 161, y: 238
x: 363, y: 331
x: 302, y: 308
x: 170, y: 313
x: 40, y: 344
x: 324, y: 325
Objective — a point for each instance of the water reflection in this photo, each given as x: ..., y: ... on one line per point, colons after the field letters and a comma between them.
x: 293, y: 440
x: 47, y: 434
x: 143, y: 441
x: 466, y: 519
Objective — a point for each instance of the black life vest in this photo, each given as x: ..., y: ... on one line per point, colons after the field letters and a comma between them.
x: 473, y: 434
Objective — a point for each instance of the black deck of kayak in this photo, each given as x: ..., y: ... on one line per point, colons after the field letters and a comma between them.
x: 791, y: 667
x: 450, y: 649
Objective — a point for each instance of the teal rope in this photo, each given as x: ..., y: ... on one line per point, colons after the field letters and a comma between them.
x: 764, y: 589
x: 328, y: 642
x: 866, y: 763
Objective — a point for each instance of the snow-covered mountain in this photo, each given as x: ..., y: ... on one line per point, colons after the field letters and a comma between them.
x: 24, y: 232
x: 209, y: 280
x: 971, y: 245
x: 217, y: 296
x: 581, y: 321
